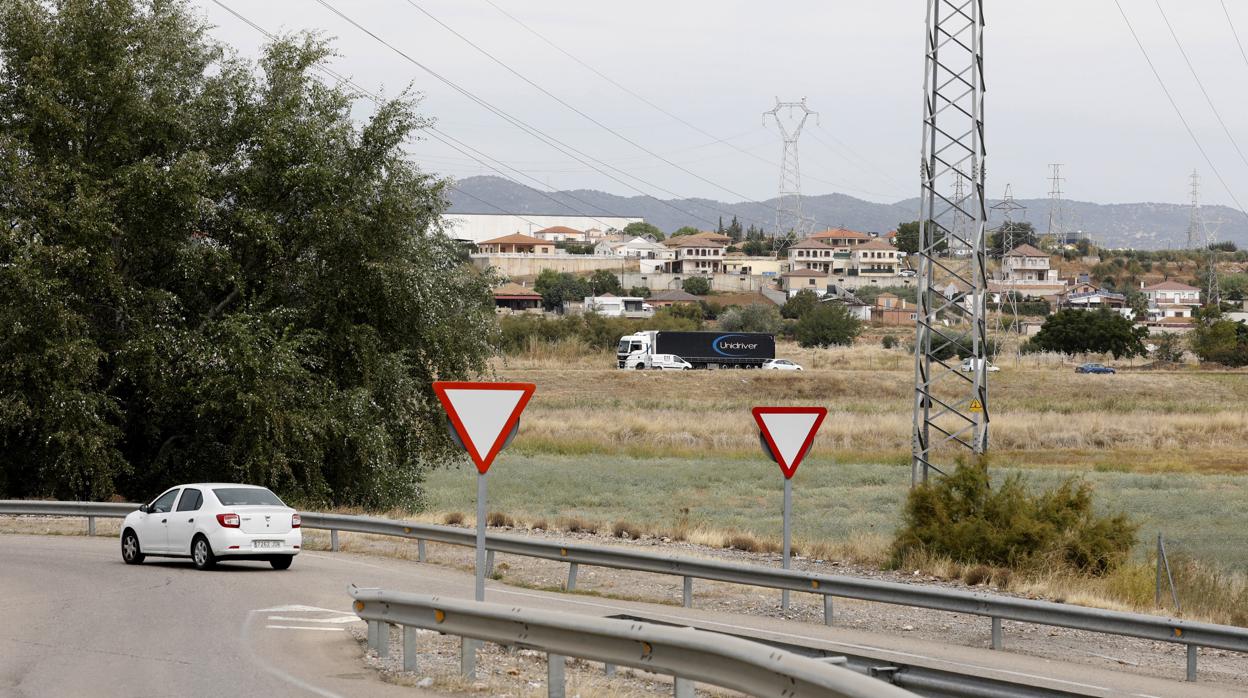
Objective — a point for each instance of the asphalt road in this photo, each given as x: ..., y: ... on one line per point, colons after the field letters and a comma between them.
x: 75, y: 620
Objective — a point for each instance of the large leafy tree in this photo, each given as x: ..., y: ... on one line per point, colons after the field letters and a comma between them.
x: 1074, y: 331
x: 827, y: 324
x: 210, y: 270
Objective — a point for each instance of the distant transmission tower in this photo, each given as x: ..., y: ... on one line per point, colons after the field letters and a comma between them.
x: 1194, y: 227
x: 951, y: 406
x: 1008, y: 231
x: 1057, y: 225
x: 789, y: 220
x: 1213, y: 284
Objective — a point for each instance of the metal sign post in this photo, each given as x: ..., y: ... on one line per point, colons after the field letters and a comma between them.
x: 484, y: 418
x: 786, y: 434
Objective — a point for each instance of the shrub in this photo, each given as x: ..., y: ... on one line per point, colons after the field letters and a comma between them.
x: 827, y: 324
x: 639, y: 291
x: 697, y: 285
x: 624, y: 529
x: 498, y: 519
x: 963, y: 517
x: 889, y: 341
x: 1169, y: 348
x: 799, y: 304
x: 454, y: 518
x: 755, y: 317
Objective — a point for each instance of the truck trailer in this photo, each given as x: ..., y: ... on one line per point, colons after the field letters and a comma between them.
x: 701, y: 349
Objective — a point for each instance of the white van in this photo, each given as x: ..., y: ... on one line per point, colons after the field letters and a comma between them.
x: 663, y: 362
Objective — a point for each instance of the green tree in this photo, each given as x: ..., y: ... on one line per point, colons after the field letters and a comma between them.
x: 1169, y: 348
x: 908, y: 237
x: 1074, y: 331
x: 643, y: 229
x: 827, y: 324
x: 697, y: 285
x: 734, y: 230
x: 679, y: 314
x: 754, y: 317
x: 1024, y: 233
x: 1219, y: 341
x: 639, y: 291
x: 558, y: 288
x: 686, y: 230
x: 210, y: 270
x: 754, y: 248
x: 604, y: 281
x: 799, y: 304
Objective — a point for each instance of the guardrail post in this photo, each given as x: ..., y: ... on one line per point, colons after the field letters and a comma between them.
x: 571, y: 576
x: 827, y: 609
x: 996, y: 633
x: 682, y: 688
x: 687, y: 600
x: 409, y: 648
x: 468, y: 657
x: 556, y: 687
x: 90, y: 525
x: 383, y: 639
x: 1191, y: 662
x: 489, y: 563
x: 372, y: 634
x: 333, y: 540
x: 608, y: 669
x: 420, y: 550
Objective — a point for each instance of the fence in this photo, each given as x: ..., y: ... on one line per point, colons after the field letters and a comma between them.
x: 687, y: 654
x: 997, y: 608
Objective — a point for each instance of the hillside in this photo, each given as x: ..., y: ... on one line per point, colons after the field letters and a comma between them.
x: 1140, y: 225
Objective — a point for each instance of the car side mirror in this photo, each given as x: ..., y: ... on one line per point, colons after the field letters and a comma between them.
x: 144, y: 508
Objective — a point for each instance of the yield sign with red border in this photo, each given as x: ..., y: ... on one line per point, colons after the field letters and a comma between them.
x: 483, y: 414
x: 788, y: 433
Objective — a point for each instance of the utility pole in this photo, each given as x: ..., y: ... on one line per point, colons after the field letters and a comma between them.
x: 789, y: 220
x: 1007, y: 207
x: 1057, y: 225
x: 1194, y: 232
x: 951, y: 406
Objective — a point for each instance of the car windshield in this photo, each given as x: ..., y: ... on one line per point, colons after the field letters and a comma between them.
x: 246, y: 496
x: 622, y: 348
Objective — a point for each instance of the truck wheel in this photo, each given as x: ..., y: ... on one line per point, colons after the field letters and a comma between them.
x: 640, y: 367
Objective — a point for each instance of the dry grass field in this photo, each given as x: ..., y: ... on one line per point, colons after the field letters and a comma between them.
x: 1044, y: 415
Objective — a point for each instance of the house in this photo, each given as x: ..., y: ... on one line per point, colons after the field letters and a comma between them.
x: 696, y: 255
x: 664, y: 299
x: 560, y: 233
x: 1174, y: 295
x: 875, y: 258
x: 713, y: 237
x: 813, y: 254
x: 638, y: 247
x: 853, y: 306
x: 1027, y: 265
x: 1093, y: 299
x: 745, y: 265
x: 892, y: 310
x: 841, y: 237
x: 618, y: 306
x: 514, y: 298
x: 516, y: 244
x: 791, y: 282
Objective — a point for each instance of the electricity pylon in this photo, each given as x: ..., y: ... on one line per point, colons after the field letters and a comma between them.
x: 789, y: 220
x: 1007, y: 207
x: 951, y: 406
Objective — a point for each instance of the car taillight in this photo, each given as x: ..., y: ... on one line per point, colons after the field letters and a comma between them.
x: 295, y: 521
x: 228, y: 520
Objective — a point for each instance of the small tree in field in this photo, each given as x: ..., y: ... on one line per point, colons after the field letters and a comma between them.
x: 827, y: 324
x: 1074, y: 331
x: 697, y: 285
x: 799, y: 304
x: 755, y: 317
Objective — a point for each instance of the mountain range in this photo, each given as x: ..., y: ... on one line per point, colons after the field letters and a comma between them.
x: 1144, y: 225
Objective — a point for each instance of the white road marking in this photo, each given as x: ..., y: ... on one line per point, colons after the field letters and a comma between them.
x: 303, y: 627
x: 295, y: 608
x: 245, y: 636
x: 339, y: 619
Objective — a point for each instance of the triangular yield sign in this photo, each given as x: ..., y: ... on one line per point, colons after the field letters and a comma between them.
x: 789, y: 432
x: 483, y: 414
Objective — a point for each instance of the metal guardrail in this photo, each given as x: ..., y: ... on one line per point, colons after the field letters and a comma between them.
x: 685, y: 653
x: 997, y: 608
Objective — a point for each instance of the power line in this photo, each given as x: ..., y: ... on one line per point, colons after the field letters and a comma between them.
x: 1234, y: 33
x: 664, y: 111
x: 1178, y: 112
x: 443, y: 137
x: 1200, y: 83
x: 571, y: 151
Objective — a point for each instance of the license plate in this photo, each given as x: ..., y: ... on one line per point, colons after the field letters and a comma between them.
x: 266, y: 544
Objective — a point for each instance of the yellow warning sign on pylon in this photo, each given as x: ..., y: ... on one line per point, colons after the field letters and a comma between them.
x: 976, y: 405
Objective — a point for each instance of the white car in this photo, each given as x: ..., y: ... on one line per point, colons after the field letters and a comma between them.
x: 781, y: 365
x: 212, y: 522
x: 968, y: 366
x: 664, y: 362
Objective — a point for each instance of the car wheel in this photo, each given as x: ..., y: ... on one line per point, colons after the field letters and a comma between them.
x: 201, y: 554
x: 281, y: 562
x: 130, y: 551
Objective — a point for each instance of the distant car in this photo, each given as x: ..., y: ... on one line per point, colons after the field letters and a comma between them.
x: 781, y: 365
x: 658, y: 362
x: 907, y: 272
x: 1094, y: 368
x: 212, y: 522
x: 968, y: 366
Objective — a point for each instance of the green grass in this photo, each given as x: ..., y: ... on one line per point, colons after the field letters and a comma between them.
x: 1201, y: 515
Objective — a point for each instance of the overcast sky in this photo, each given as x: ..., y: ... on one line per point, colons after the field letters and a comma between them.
x: 1066, y: 83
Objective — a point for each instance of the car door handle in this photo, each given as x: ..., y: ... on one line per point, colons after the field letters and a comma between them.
x: 190, y: 520
x: 164, y: 520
